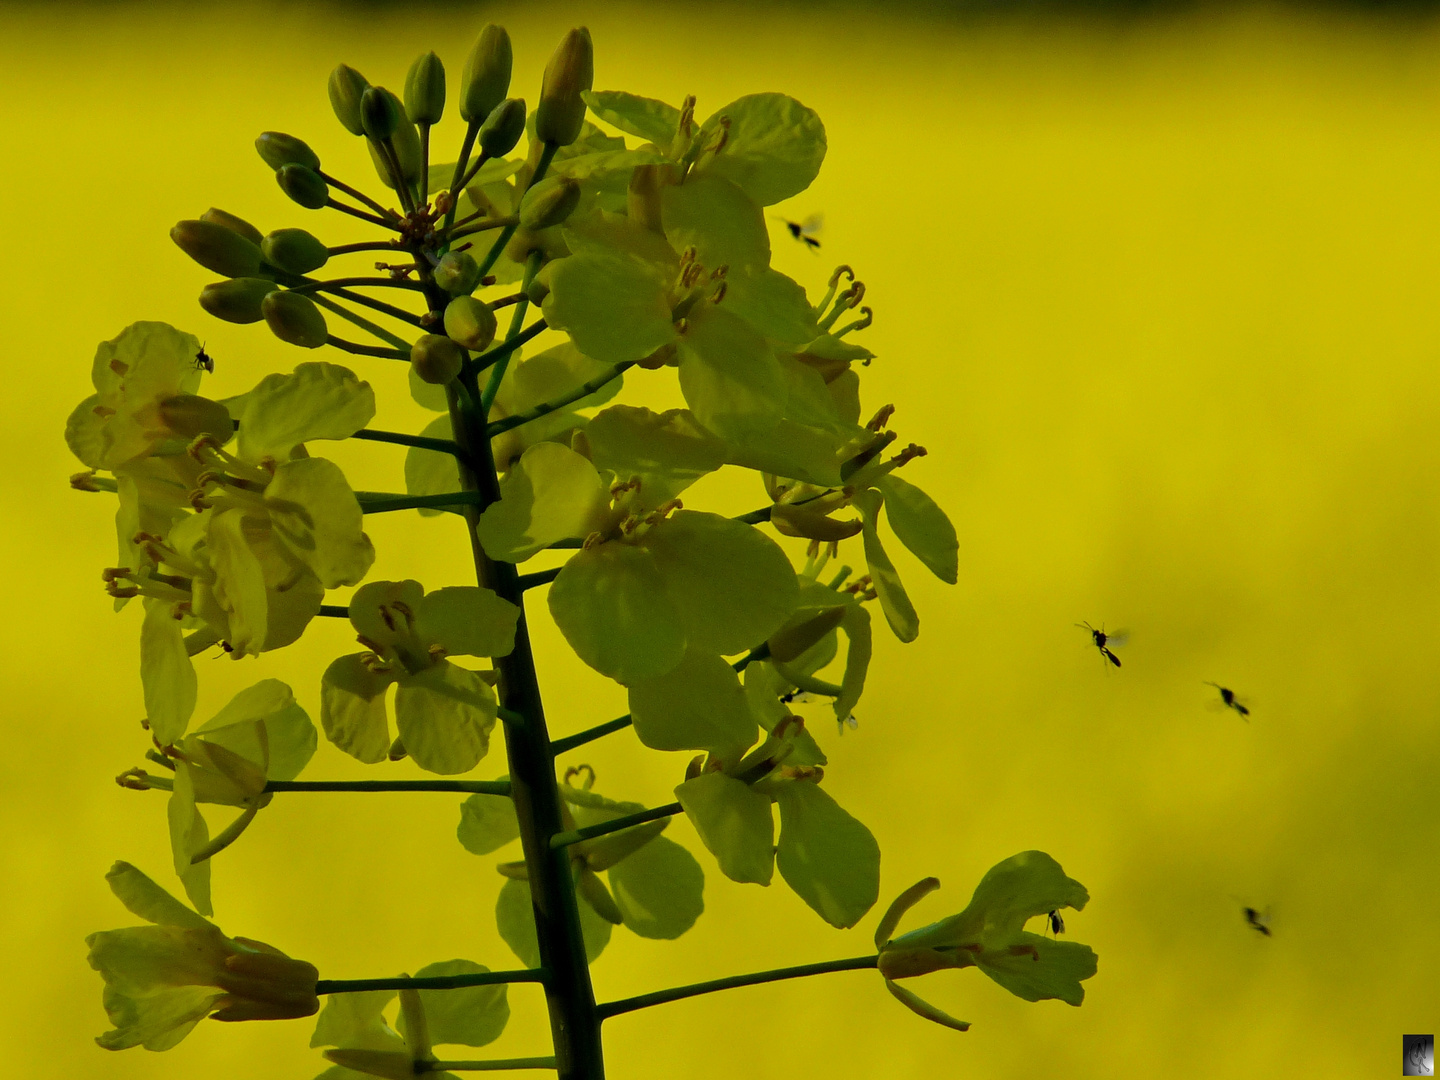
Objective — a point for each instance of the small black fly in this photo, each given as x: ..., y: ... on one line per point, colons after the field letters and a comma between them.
x: 805, y: 231
x: 1231, y: 701
x: 1105, y: 642
x: 1057, y: 924
x: 1257, y: 921
x: 204, y: 361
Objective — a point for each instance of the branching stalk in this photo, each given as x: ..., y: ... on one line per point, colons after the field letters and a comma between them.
x: 432, y: 982
x: 679, y: 993
x: 575, y: 836
x: 498, y: 427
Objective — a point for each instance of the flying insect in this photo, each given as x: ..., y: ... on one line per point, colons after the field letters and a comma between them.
x: 1257, y: 921
x: 1105, y: 642
x: 204, y: 361
x: 805, y: 231
x: 1227, y: 696
x: 1057, y: 924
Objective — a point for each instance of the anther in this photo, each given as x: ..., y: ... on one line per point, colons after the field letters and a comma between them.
x: 719, y: 293
x: 881, y: 418
x: 842, y: 269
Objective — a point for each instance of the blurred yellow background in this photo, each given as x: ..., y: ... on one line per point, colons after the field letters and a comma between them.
x: 1159, y: 299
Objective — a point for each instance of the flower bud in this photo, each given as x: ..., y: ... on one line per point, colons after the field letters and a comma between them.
x: 189, y: 415
x: 379, y: 113
x: 233, y: 223
x: 471, y: 322
x: 549, y: 202
x: 294, y: 250
x: 237, y: 300
x: 403, y: 137
x: 294, y: 318
x: 277, y: 149
x: 502, y: 128
x: 436, y: 359
x: 346, y: 87
x: 571, y: 71
x: 217, y: 248
x: 303, y: 185
x: 425, y: 90
x: 457, y: 272
x: 487, y: 74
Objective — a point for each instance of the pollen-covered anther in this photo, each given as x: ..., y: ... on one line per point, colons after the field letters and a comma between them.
x: 661, y: 512
x: 867, y: 316
x: 811, y: 773
x: 881, y: 418
x: 371, y: 661
x: 84, y: 481
x: 853, y: 295
x: 687, y: 115
x: 722, y: 138
x: 576, y: 770
x: 719, y: 293
x: 201, y: 445
x: 629, y: 525
x: 436, y: 653
x: 910, y: 453
x: 134, y: 780
x: 839, y: 270
x: 595, y: 539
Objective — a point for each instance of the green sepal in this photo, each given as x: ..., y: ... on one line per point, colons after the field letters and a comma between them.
x: 346, y: 87
x: 304, y: 186
x: 425, y: 90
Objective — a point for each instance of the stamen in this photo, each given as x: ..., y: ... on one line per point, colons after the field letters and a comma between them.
x: 867, y: 317
x: 88, y: 481
x: 576, y: 770
x: 881, y: 418
x: 719, y: 293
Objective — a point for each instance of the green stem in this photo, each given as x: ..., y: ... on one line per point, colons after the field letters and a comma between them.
x: 364, y: 324
x: 356, y: 193
x: 334, y: 204
x: 366, y: 350
x: 494, y: 1065
x: 433, y: 982
x: 364, y: 301
x: 379, y: 502
x: 473, y: 171
x: 620, y: 723
x: 465, y: 147
x: 482, y: 226
x: 422, y: 186
x: 397, y: 173
x: 474, y: 787
x: 755, y: 517
x: 312, y: 285
x: 576, y: 836
x: 569, y: 996
x: 546, y: 155
x: 364, y: 245
x: 540, y: 577
x: 501, y: 351
x: 334, y: 611
x: 498, y: 427
x: 678, y: 993
x: 424, y: 442
x: 517, y: 320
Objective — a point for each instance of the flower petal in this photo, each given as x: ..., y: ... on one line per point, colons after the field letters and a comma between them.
x: 352, y: 708
x: 921, y: 526
x: 289, y: 734
x: 444, y: 715
x: 610, y: 602
x: 189, y: 835
x: 317, y: 516
x: 158, y: 1020
x: 697, y: 705
x: 166, y: 673
x: 468, y: 620
x: 317, y: 401
x: 719, y: 221
x: 487, y: 823
x: 729, y: 375
x: 732, y: 586
x: 669, y: 451
x: 614, y: 306
x: 899, y: 611
x: 468, y: 1016
x: 356, y: 1021
x: 148, y: 900
x: 773, y: 149
x: 1054, y: 969
x: 239, y: 588
x: 515, y: 919
x: 552, y: 493
x: 659, y: 889
x: 735, y: 822
x: 829, y: 858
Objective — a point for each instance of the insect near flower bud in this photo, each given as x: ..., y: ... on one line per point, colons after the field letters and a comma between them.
x: 549, y: 202
x: 470, y: 322
x: 379, y: 113
x: 278, y: 149
x: 294, y: 250
x: 303, y: 185
x: 457, y: 272
x: 237, y: 300
x: 233, y: 223
x: 571, y: 71
x: 217, y: 248
x: 487, y: 74
x: 346, y: 88
x: 437, y: 359
x: 425, y: 90
x: 502, y: 128
x: 294, y: 318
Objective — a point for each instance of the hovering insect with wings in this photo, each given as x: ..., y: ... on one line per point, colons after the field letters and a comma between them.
x: 1105, y: 642
x: 1057, y: 924
x: 204, y: 361
x: 806, y: 231
x: 1230, y: 701
x: 1257, y: 921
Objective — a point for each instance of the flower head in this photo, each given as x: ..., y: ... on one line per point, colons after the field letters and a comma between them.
x: 162, y: 980
x: 990, y: 934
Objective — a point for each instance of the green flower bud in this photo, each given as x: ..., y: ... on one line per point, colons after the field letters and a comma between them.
x: 471, y: 322
x: 295, y: 250
x: 233, y: 223
x: 487, y: 74
x: 404, y: 138
x: 457, y: 272
x: 217, y: 248
x: 549, y: 202
x: 237, y: 300
x: 503, y: 127
x: 570, y: 73
x: 277, y: 149
x: 379, y: 113
x: 295, y: 319
x: 436, y: 359
x: 346, y: 87
x: 303, y: 185
x: 425, y: 90
x: 189, y: 415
